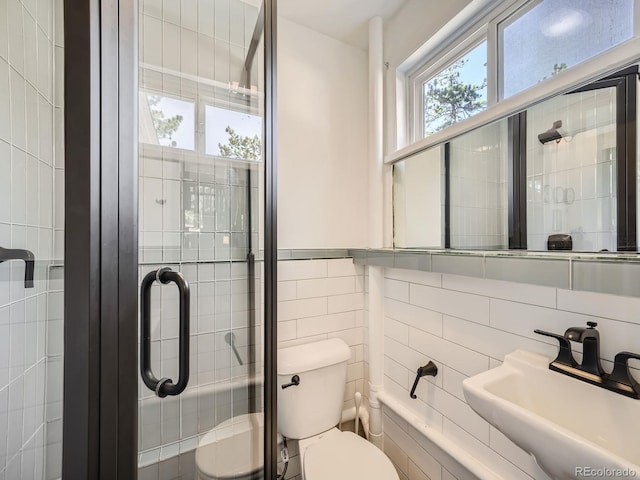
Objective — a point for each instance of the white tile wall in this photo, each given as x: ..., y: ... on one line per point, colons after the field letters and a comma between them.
x: 320, y: 299
x: 466, y: 326
x: 26, y: 198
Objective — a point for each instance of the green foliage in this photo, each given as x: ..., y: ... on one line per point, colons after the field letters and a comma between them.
x: 165, y: 127
x: 557, y: 68
x: 245, y: 148
x: 447, y: 100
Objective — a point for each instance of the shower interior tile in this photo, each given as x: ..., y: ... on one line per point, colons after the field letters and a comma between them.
x: 4, y: 43
x: 33, y: 191
x: 222, y: 60
x: 5, y: 183
x: 18, y: 121
x: 236, y: 22
x: 188, y: 52
x: 171, y: 46
x: 189, y: 14
x: 32, y: 122
x: 45, y: 133
x: 16, y: 35
x: 222, y: 24
x: 170, y: 420
x: 206, y: 56
x: 15, y: 423
x: 30, y: 41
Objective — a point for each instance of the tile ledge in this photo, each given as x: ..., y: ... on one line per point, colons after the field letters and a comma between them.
x: 566, y: 270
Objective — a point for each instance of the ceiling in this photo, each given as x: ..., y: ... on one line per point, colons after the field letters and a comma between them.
x: 344, y: 20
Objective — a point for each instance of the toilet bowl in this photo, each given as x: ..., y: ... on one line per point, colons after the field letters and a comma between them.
x: 311, y: 385
x: 232, y: 450
x: 343, y: 456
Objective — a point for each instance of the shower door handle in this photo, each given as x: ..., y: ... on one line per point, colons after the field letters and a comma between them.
x: 164, y: 386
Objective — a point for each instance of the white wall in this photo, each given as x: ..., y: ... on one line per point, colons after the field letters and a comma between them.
x: 322, y: 141
x: 466, y: 326
x: 410, y: 27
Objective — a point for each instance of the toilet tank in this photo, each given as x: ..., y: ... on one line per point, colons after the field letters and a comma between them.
x: 315, y: 405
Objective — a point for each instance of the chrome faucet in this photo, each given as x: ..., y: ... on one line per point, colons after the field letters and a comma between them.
x: 590, y: 339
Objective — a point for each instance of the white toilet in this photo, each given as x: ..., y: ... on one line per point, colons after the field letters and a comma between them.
x: 232, y: 450
x: 310, y: 411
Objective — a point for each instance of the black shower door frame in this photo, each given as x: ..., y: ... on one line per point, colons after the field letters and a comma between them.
x: 101, y: 246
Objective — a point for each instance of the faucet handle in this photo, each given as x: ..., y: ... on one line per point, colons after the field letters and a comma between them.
x: 592, y: 324
x: 622, y: 376
x: 565, y: 356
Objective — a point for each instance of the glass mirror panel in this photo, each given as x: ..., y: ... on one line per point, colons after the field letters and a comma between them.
x: 418, y: 197
x: 478, y: 188
x: 571, y: 179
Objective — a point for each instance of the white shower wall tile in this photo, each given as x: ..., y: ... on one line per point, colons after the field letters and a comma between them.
x: 421, y: 330
x: 26, y: 50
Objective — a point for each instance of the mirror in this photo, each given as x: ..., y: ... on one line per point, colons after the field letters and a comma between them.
x: 559, y: 176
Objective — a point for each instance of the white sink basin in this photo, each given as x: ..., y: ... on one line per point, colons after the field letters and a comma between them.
x: 572, y: 429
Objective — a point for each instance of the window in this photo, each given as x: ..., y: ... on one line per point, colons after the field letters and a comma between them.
x: 232, y: 134
x: 166, y: 121
x: 540, y: 41
x: 455, y: 92
x: 493, y: 54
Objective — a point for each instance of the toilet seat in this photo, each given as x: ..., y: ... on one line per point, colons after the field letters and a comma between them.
x: 345, y: 456
x: 233, y: 449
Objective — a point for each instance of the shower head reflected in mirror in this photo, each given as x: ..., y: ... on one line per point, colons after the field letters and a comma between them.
x: 552, y: 134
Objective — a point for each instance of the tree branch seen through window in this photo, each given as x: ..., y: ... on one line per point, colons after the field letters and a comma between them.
x: 242, y: 147
x: 165, y: 127
x: 447, y: 99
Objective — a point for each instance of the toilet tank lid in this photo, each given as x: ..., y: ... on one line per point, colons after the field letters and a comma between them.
x: 311, y: 356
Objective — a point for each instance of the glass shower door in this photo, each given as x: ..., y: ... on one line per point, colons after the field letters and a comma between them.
x: 201, y: 173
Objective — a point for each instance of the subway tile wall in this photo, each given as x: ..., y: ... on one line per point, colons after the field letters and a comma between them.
x: 317, y: 300
x: 467, y: 325
x: 27, y: 166
x: 571, y: 186
x: 320, y: 299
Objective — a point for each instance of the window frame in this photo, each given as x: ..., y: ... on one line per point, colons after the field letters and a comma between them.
x: 518, y: 10
x: 223, y: 103
x: 422, y: 76
x: 186, y: 99
x: 441, y: 54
